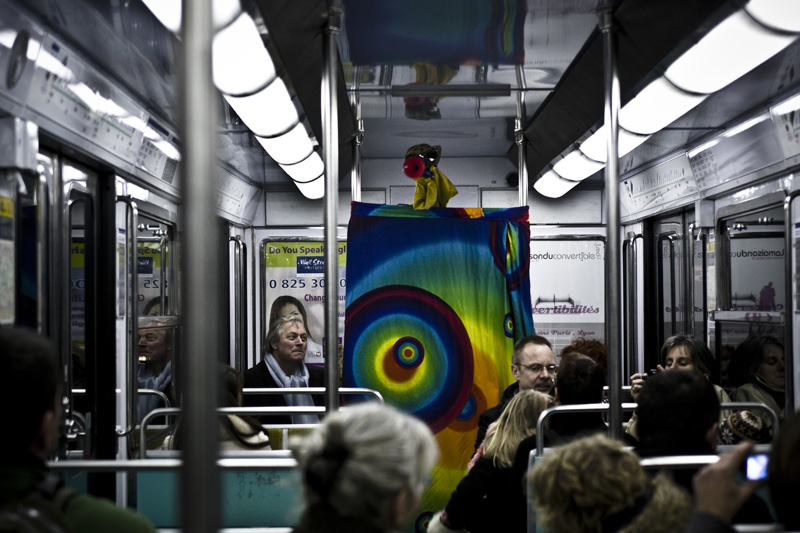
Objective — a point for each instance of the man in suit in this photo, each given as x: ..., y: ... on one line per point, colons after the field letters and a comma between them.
x: 284, y: 366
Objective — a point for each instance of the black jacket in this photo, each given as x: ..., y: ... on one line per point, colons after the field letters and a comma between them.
x: 259, y: 377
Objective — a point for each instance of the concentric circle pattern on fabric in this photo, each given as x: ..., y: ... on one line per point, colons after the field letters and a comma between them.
x: 414, y: 348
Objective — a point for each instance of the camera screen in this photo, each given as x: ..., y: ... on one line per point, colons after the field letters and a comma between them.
x: 757, y: 466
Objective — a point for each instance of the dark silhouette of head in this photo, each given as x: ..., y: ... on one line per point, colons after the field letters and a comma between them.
x: 678, y: 413
x: 579, y: 380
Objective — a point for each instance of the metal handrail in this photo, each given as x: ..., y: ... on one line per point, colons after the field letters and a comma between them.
x: 152, y: 392
x: 577, y: 408
x: 312, y: 390
x: 171, y: 463
x: 679, y: 461
x: 279, y: 410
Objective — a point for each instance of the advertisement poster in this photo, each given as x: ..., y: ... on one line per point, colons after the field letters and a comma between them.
x: 7, y: 259
x: 297, y: 268
x: 757, y: 274
x: 149, y: 262
x: 567, y: 290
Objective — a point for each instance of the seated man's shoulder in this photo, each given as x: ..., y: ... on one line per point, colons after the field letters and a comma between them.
x: 87, y: 513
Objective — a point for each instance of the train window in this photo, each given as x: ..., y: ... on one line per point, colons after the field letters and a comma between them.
x: 752, y: 286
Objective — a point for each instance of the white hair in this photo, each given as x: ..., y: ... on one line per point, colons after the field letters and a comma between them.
x: 361, y: 458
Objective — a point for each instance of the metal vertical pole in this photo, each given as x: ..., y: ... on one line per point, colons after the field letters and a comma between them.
x: 789, y: 305
x: 201, y: 252
x: 612, y: 260
x: 330, y: 149
x: 519, y: 134
x: 355, y: 173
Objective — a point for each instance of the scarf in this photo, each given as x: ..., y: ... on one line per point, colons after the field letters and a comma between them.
x: 298, y: 379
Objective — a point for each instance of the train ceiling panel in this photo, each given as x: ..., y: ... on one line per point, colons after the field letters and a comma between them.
x: 447, y: 72
x: 395, y: 51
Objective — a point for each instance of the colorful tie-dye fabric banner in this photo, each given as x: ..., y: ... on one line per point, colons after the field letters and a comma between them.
x: 435, y: 302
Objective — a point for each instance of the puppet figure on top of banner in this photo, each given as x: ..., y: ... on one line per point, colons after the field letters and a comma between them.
x: 433, y: 189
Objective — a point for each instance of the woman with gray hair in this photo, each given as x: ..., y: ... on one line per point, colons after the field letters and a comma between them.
x: 364, y: 470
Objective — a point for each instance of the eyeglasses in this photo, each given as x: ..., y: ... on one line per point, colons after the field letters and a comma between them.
x: 536, y: 368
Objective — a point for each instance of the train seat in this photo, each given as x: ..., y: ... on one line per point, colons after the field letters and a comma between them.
x: 265, y: 497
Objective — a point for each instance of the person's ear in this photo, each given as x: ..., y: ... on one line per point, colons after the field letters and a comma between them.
x: 556, y: 399
x: 711, y: 435
x: 515, y: 372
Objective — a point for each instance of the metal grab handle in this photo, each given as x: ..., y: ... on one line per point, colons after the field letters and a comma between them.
x: 629, y: 256
x: 131, y: 238
x: 578, y: 408
x: 313, y: 390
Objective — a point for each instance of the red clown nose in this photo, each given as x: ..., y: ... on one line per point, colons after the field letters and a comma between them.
x: 414, y: 166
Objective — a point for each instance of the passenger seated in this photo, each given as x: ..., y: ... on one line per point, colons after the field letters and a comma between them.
x: 594, y: 484
x: 490, y: 497
x: 533, y: 365
x: 580, y: 380
x: 364, y: 470
x: 30, y: 386
x: 288, y: 305
x: 283, y: 365
x: 682, y: 352
x: 756, y: 370
x: 678, y: 415
x: 155, y: 366
x: 236, y: 432
x: 591, y: 348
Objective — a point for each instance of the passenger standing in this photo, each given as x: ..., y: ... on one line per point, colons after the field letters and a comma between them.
x: 364, y: 470
x: 490, y: 498
x: 533, y: 365
x: 31, y: 383
x: 283, y: 366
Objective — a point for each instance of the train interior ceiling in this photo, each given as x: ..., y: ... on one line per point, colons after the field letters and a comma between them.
x: 481, y: 79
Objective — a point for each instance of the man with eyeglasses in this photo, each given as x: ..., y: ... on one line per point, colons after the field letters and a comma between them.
x: 533, y: 365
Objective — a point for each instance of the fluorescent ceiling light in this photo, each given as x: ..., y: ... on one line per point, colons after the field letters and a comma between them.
x: 169, y: 12
x: 595, y: 146
x: 268, y: 112
x: 576, y: 166
x: 779, y: 14
x: 746, y: 125
x: 292, y: 147
x: 703, y: 147
x: 313, y: 190
x: 734, y: 47
x: 306, y: 170
x: 241, y: 65
x: 657, y: 106
x: 787, y: 106
x: 553, y: 186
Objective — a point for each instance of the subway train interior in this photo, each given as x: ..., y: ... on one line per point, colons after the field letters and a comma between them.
x: 164, y: 178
